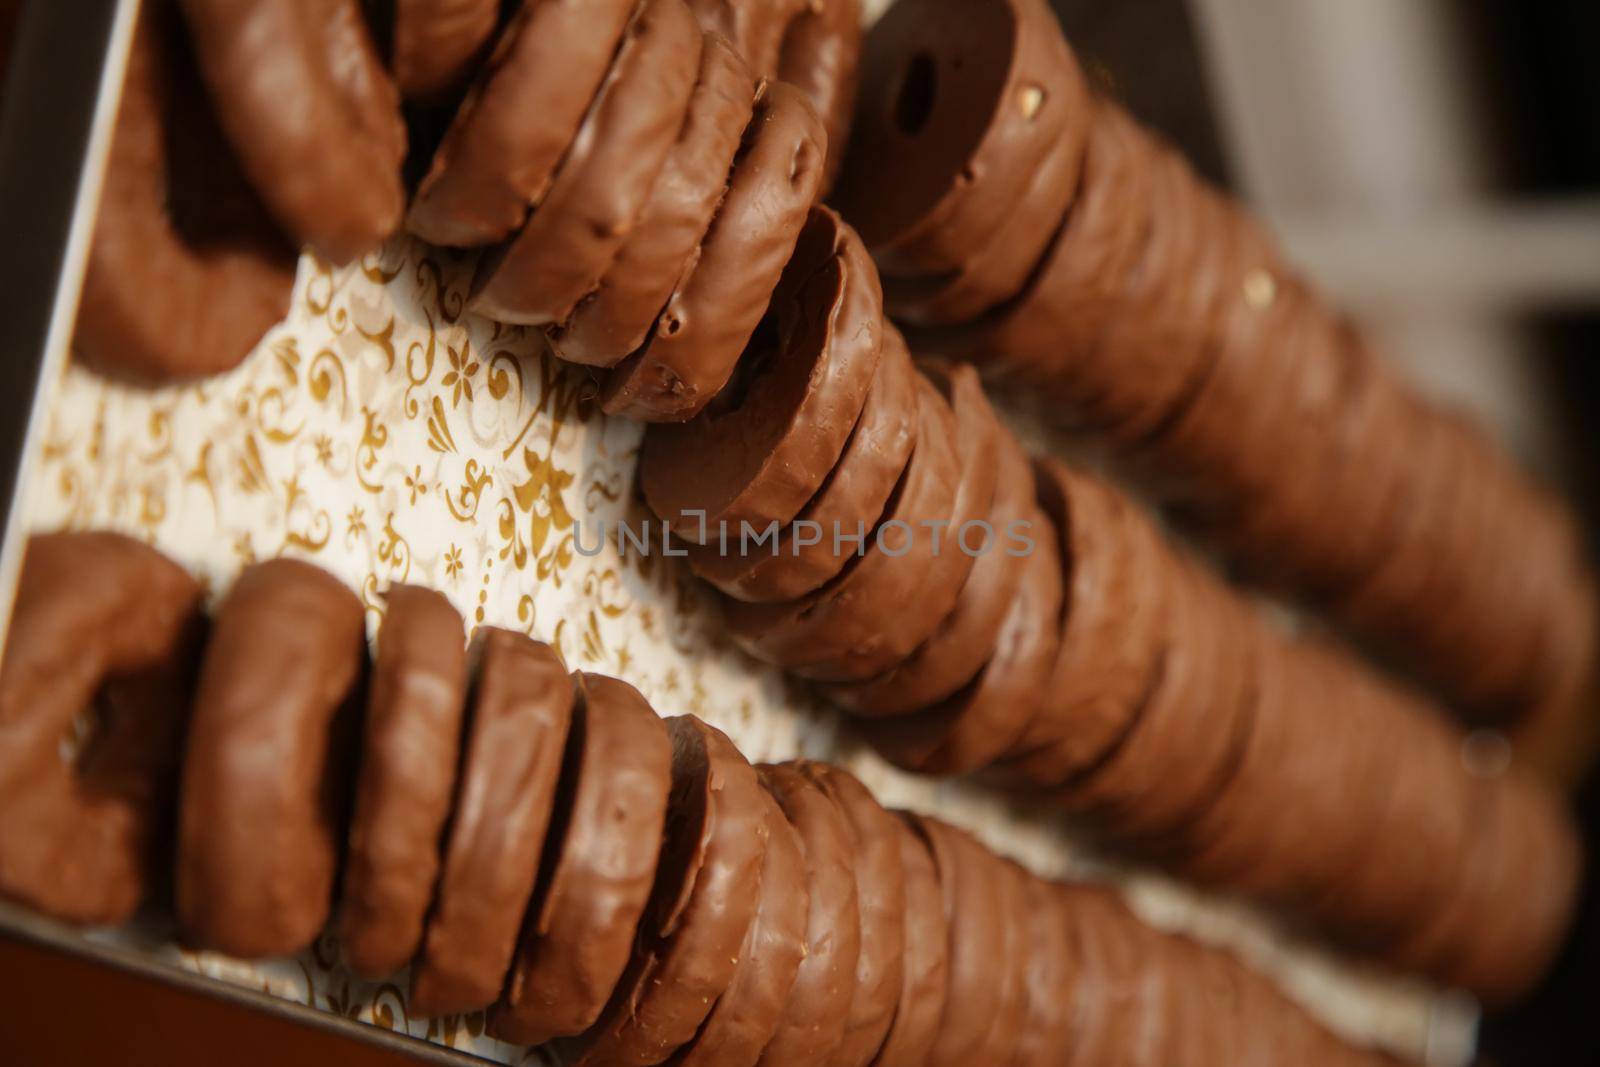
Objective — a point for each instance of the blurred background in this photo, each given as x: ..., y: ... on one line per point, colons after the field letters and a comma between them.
x: 1435, y: 165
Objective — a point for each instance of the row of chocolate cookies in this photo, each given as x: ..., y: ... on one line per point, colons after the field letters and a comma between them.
x: 873, y: 528
x: 543, y: 846
x: 1025, y: 221
x: 619, y: 164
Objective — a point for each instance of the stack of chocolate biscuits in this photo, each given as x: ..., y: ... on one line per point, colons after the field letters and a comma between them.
x: 1026, y: 222
x: 874, y: 529
x: 635, y: 183
x: 542, y: 846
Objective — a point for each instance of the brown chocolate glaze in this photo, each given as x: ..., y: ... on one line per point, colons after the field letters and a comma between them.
x: 521, y: 711
x: 1050, y: 980
x: 503, y: 147
x: 598, y: 869
x: 758, y: 457
x: 815, y: 1018
x: 1010, y: 974
x: 821, y: 57
x: 925, y: 975
x: 978, y: 94
x: 1111, y: 643
x: 707, y: 891
x: 971, y: 895
x: 967, y: 637
x: 615, y: 319
x: 412, y: 738
x: 438, y: 44
x: 854, y: 494
x: 311, y: 113
x: 107, y: 630
x: 601, y: 187
x: 881, y: 898
x: 264, y: 777
x: 891, y: 599
x: 175, y: 207
x: 755, y: 27
x: 971, y: 728
x: 747, y: 1016
x: 711, y: 316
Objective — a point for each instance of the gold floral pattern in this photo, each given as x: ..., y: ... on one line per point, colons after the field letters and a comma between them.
x: 389, y: 436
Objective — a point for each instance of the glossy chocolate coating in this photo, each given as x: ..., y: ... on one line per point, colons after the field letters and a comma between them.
x: 311, y: 113
x: 415, y: 706
x: 175, y: 210
x: 265, y: 777
x: 521, y: 711
x: 107, y: 629
x: 438, y: 44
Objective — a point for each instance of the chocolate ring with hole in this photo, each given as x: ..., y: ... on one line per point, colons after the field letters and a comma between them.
x: 967, y: 731
x: 854, y: 492
x: 1000, y: 269
x: 926, y: 972
x: 175, y: 207
x: 600, y: 862
x: 437, y: 44
x: 510, y: 133
x: 961, y: 104
x: 691, y: 353
x: 819, y: 1005
x: 275, y: 719
x: 708, y: 887
x: 616, y: 317
x: 765, y: 445
x: 104, y: 631
x: 966, y: 639
x: 416, y: 704
x: 970, y: 892
x: 601, y: 186
x: 821, y: 56
x: 746, y: 1017
x: 881, y: 897
x: 521, y: 711
x: 311, y: 113
x: 887, y: 602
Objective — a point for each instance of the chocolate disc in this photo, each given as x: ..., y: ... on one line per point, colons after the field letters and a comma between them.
x: 598, y: 868
x: 438, y: 44
x: 175, y: 206
x: 926, y: 973
x: 711, y: 316
x: 749, y: 1013
x: 1112, y: 629
x: 1050, y: 981
x: 967, y: 637
x: 960, y: 104
x: 821, y: 56
x: 970, y: 729
x: 972, y: 907
x: 514, y: 127
x: 888, y: 602
x: 521, y: 710
x: 614, y: 320
x: 820, y: 1002
x: 1010, y: 976
x: 1118, y: 980
x: 759, y: 452
x: 416, y: 700
x: 881, y: 894
x: 852, y: 497
x: 106, y: 628
x: 261, y: 819
x: 708, y: 887
x: 314, y: 119
x: 755, y: 27
x: 577, y: 228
